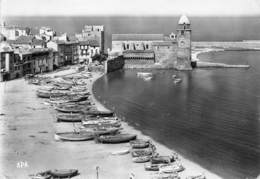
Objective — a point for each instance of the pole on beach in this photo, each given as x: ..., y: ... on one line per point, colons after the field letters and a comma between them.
x: 97, y: 168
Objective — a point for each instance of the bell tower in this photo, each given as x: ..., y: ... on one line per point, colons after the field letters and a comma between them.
x: 183, y: 44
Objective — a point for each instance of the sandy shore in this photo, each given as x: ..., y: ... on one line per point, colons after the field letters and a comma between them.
x: 27, y: 140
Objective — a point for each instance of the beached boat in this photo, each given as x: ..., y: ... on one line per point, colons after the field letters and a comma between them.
x: 69, y: 117
x: 120, y: 152
x: 118, y: 138
x: 139, y: 143
x: 64, y: 173
x: 105, y: 131
x: 100, y: 113
x: 201, y: 176
x: 102, y: 124
x: 167, y: 176
x: 162, y: 159
x: 141, y: 152
x: 74, y: 136
x: 171, y: 168
x: 151, y: 167
x: 70, y: 108
x: 141, y: 159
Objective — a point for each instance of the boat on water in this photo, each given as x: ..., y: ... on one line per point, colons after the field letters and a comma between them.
x: 147, y: 78
x: 74, y: 136
x: 174, y: 76
x: 118, y: 138
x: 177, y: 80
x: 69, y: 117
x: 141, y: 159
x: 144, y: 74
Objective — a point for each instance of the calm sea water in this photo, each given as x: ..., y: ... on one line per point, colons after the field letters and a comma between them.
x: 204, y: 28
x: 212, y: 117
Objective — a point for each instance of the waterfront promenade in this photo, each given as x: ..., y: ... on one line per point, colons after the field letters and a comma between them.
x: 28, y: 145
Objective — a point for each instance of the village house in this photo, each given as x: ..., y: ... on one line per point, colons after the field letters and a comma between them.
x: 93, y: 33
x: 65, y: 52
x: 15, y: 63
x: 87, y: 50
x: 13, y: 32
x: 27, y: 42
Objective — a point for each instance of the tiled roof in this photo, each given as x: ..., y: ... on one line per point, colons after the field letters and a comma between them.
x: 137, y: 37
x: 138, y: 54
x: 31, y: 40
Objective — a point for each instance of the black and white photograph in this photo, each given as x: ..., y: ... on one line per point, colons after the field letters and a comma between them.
x: 130, y: 89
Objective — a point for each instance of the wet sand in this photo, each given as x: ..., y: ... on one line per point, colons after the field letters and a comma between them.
x: 28, y: 145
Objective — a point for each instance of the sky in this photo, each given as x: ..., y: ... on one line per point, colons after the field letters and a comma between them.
x: 130, y: 7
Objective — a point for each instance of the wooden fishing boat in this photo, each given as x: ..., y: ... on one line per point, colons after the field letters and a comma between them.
x: 201, y: 176
x: 139, y: 143
x: 171, y: 168
x: 64, y: 173
x: 142, y: 159
x: 100, y: 113
x: 70, y: 109
x: 105, y: 131
x: 74, y: 136
x: 141, y: 152
x: 103, y: 124
x: 162, y: 159
x: 120, y: 152
x: 118, y: 138
x: 151, y: 167
x: 69, y: 117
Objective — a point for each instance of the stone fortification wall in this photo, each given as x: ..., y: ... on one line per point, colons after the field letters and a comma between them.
x: 114, y: 64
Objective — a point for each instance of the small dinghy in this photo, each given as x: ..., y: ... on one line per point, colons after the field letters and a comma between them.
x: 64, y: 173
x: 118, y: 138
x: 142, y: 159
x: 74, y: 136
x: 102, y: 124
x: 105, y: 131
x: 69, y: 117
x: 139, y: 143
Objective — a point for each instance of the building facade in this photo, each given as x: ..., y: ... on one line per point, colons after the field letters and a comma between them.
x: 13, y: 32
x: 66, y: 52
x: 15, y: 63
x: 94, y: 33
x: 149, y: 50
x: 87, y: 50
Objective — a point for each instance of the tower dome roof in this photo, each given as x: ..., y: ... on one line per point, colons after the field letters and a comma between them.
x: 184, y: 20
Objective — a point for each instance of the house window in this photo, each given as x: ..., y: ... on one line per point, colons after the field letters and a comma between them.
x: 182, y: 32
x: 147, y: 46
x: 127, y: 46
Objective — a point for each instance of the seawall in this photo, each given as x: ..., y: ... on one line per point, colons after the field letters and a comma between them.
x: 114, y: 64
